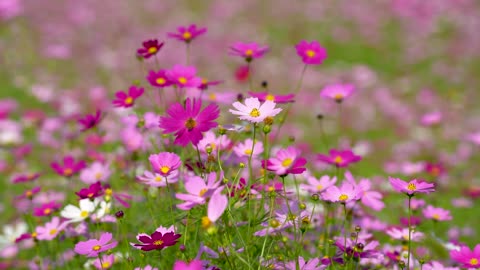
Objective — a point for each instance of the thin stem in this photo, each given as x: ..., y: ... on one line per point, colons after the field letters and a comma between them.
x: 345, y: 230
x: 409, y: 230
x: 250, y: 73
x: 251, y: 153
x: 188, y: 54
x: 170, y: 202
x: 268, y: 228
x: 199, y: 161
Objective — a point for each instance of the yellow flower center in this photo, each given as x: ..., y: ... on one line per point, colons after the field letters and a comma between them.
x: 90, y: 195
x: 67, y: 172
x: 270, y: 97
x: 190, y: 123
x: 202, y: 192
x: 186, y: 35
x: 165, y: 169
x: 84, y: 214
x: 287, y: 162
x: 152, y: 50
x: 47, y: 211
x: 106, y: 265
x: 412, y: 187
x: 436, y: 216
x: 158, y: 179
x: 319, y: 187
x: 182, y: 80
x: 129, y: 100
x: 343, y: 197
x: 204, y: 81
x: 435, y: 171
x: 255, y: 113
x: 206, y: 222
x: 96, y: 247
x: 271, y: 188
x: 108, y: 191
x: 212, y: 96
x: 28, y: 193
x: 53, y: 231
x: 34, y: 234
x: 248, y: 152
x: 338, y: 159
x: 473, y: 261
x: 338, y: 96
x: 158, y: 242
x: 98, y: 175
x: 310, y: 53
x: 248, y: 52
x: 160, y: 81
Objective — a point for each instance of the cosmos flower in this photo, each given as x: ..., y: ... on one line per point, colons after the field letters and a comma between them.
x: 345, y: 194
x: 279, y: 99
x: 245, y: 149
x: 160, y: 239
x: 147, y: 267
x: 69, y: 166
x: 187, y: 34
x: 106, y: 262
x: 193, y: 265
x: 434, y: 265
x: 46, y: 209
x: 198, y: 191
x: 339, y: 158
x: 96, y: 172
x: 93, y: 191
x: 77, y: 214
x: 370, y: 198
x: 90, y: 121
x: 412, y: 187
x: 435, y: 169
x: 338, y: 92
x: 149, y: 48
x: 22, y: 178
x: 188, y: 123
x: 158, y: 180
x: 211, y: 141
x: 206, y: 83
x: 253, y: 111
x: 165, y: 163
x: 437, y: 214
x: 29, y: 193
x: 184, y: 76
x: 127, y: 100
x: 431, y: 119
x: 249, y: 51
x: 313, y: 264
x: 50, y: 230
x: 466, y: 257
x: 315, y: 185
x: 159, y: 78
x: 312, y: 53
x: 402, y: 234
x: 287, y: 161
x: 216, y: 206
x: 92, y: 247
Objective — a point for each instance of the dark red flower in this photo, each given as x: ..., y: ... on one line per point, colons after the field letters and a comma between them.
x: 46, y: 209
x: 150, y: 47
x: 89, y: 121
x: 69, y: 166
x: 93, y: 191
x: 160, y: 239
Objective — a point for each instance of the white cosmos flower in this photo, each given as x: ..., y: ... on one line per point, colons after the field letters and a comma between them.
x: 76, y: 214
x: 8, y: 248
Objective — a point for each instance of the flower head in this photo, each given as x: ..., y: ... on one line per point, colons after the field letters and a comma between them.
x: 311, y: 52
x: 189, y: 122
x: 337, y: 92
x: 50, y: 230
x: 253, y: 111
x: 76, y: 214
x: 159, y: 78
x: 437, y: 214
x: 46, y: 209
x: 106, y: 262
x: 279, y: 99
x: 315, y: 185
x: 412, y: 187
x: 245, y: 149
x: 97, y: 171
x: 90, y: 120
x: 287, y: 161
x: 402, y: 234
x: 165, y: 163
x: 92, y: 247
x: 339, y: 158
x: 93, y: 191
x: 249, y: 51
x: 127, y: 100
x: 184, y: 76
x: 69, y: 166
x: 216, y: 206
x: 193, y: 265
x: 345, y: 194
x: 160, y: 239
x: 466, y: 257
x: 187, y: 34
x: 149, y: 48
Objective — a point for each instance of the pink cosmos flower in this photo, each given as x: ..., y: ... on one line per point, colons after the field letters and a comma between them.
x: 69, y: 166
x: 132, y: 138
x: 158, y: 180
x: 193, y: 265
x: 430, y: 119
x: 279, y: 99
x: 150, y: 48
x: 287, y: 161
x: 127, y: 100
x: 90, y: 121
x: 338, y: 92
x: 411, y: 187
x: 221, y: 97
x: 466, y: 257
x: 345, y: 194
x: 370, y: 198
x: 29, y: 193
x: 187, y: 34
x: 437, y: 214
x: 434, y: 265
x: 160, y: 239
x: 253, y: 111
x: 165, y: 163
x: 147, y: 267
x: 211, y: 141
x: 339, y: 158
x: 318, y: 185
x: 415, y: 204
x: 93, y: 191
x: 245, y: 149
x: 188, y: 123
x: 22, y: 178
x: 97, y: 171
x: 184, y: 76
x: 106, y: 262
x: 46, y: 209
x: 249, y: 51
x: 159, y: 78
x: 51, y: 229
x: 434, y: 169
x: 198, y: 191
x: 242, y: 73
x: 216, y: 206
x: 313, y: 264
x: 402, y: 234
x: 206, y: 83
x: 92, y: 247
x: 312, y: 53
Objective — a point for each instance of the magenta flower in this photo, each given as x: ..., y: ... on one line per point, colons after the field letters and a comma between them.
x: 437, y: 214
x: 160, y: 239
x: 29, y: 193
x: 249, y: 51
x: 253, y: 111
x: 312, y: 53
x: 434, y: 169
x: 69, y: 166
x: 206, y: 83
x: 159, y: 78
x: 150, y: 48
x: 184, y: 76
x: 411, y: 187
x: 46, y: 209
x: 189, y: 122
x: 22, y: 178
x: 466, y: 257
x: 193, y: 265
x: 126, y: 100
x: 279, y: 99
x: 165, y: 163
x: 345, y: 194
x: 339, y: 158
x: 287, y: 161
x: 93, y: 191
x: 51, y: 229
x: 338, y: 92
x: 187, y: 34
x: 430, y: 119
x: 147, y: 267
x: 92, y: 247
x: 90, y: 121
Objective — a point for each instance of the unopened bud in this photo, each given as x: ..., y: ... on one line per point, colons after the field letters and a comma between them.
x: 267, y: 129
x: 241, y: 165
x: 315, y: 197
x: 358, y: 228
x: 119, y: 214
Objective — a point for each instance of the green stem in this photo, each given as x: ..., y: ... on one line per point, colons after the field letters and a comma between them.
x: 409, y: 230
